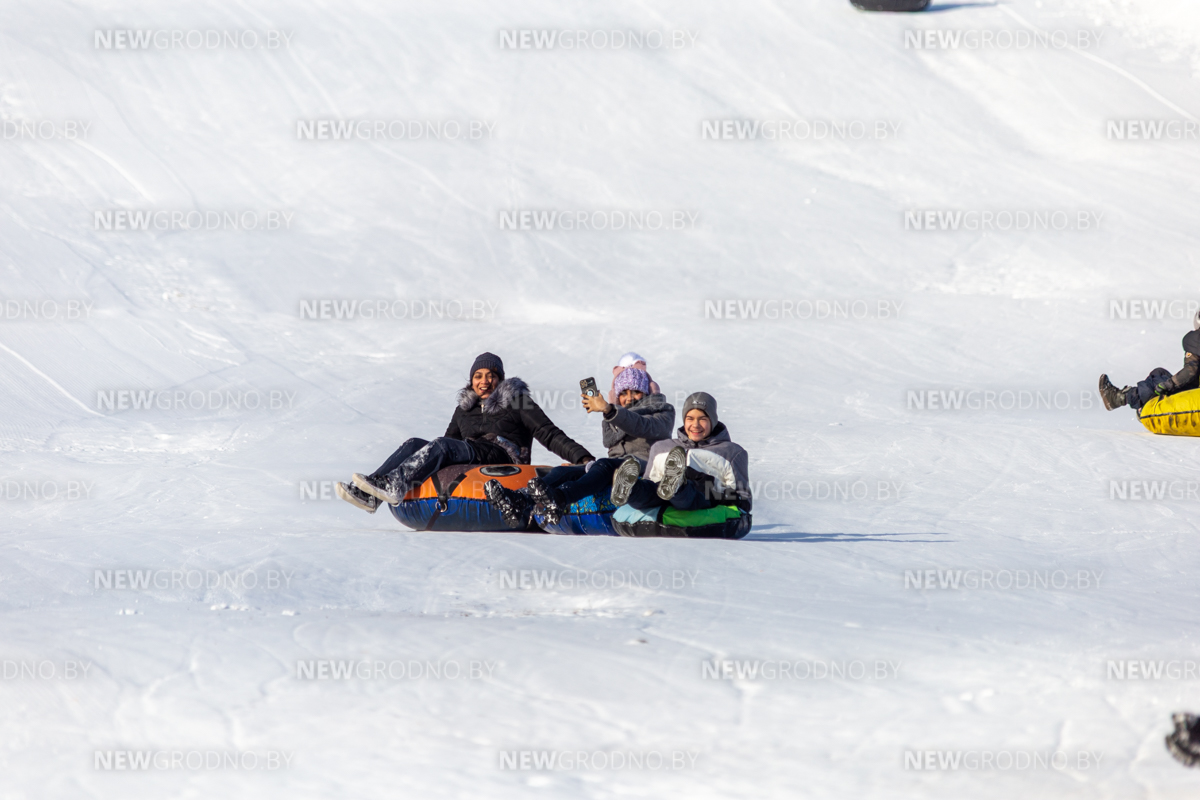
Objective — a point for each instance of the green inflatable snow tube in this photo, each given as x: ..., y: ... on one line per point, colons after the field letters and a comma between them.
x: 719, y: 522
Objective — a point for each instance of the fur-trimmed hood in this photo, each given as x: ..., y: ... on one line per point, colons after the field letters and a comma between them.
x: 504, y: 427
x: 504, y: 396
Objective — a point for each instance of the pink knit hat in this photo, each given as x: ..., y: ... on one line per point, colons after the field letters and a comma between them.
x: 631, y: 378
x: 628, y: 360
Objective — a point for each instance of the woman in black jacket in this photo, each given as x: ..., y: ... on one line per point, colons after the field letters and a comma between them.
x: 494, y: 422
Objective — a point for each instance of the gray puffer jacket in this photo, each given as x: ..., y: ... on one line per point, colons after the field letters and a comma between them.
x: 732, y: 460
x: 631, y: 431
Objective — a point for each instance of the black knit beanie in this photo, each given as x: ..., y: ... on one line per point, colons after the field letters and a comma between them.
x: 1191, y: 342
x: 488, y: 361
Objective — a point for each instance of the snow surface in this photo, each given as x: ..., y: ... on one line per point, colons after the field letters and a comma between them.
x: 817, y: 402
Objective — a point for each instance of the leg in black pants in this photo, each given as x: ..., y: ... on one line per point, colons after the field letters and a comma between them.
x: 644, y: 496
x: 573, y: 483
x: 402, y: 454
x: 1138, y: 396
x: 417, y: 459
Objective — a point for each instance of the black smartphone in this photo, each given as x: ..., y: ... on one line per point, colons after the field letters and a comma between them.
x: 588, y: 387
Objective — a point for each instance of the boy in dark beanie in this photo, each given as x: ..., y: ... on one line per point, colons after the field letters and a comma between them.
x: 494, y: 422
x: 700, y: 468
x: 1160, y: 382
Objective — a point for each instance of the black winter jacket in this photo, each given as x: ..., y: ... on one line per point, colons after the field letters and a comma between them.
x: 503, y: 427
x: 1189, y: 376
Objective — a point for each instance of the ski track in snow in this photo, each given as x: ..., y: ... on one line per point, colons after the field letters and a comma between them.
x: 218, y: 489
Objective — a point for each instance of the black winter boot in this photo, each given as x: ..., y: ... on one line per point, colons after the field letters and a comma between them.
x: 547, y: 500
x: 357, y: 497
x: 384, y: 488
x: 674, y: 471
x: 1111, y: 395
x: 1184, y: 743
x: 514, y: 506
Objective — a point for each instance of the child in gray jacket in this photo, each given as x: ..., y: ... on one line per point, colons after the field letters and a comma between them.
x: 701, y: 468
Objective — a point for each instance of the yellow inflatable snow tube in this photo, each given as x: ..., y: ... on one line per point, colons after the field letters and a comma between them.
x: 1173, y: 415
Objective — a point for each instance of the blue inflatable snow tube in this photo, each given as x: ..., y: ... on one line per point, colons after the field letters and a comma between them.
x: 458, y: 514
x: 591, y: 516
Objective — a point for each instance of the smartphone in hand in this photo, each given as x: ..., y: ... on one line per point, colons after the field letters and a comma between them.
x: 588, y: 387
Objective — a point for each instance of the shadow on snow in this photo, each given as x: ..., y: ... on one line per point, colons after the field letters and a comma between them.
x: 955, y: 6
x: 764, y: 533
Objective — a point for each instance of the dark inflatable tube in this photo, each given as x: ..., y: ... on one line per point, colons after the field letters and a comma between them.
x: 453, y: 499
x: 890, y: 5
x: 591, y: 516
x: 630, y: 522
x: 731, y: 529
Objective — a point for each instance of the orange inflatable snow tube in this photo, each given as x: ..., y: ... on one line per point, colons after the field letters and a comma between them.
x: 454, y: 500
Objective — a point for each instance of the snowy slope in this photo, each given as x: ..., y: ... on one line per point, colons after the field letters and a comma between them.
x: 854, y: 485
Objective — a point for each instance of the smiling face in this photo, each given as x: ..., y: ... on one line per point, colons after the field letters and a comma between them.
x: 697, y: 425
x: 629, y: 397
x: 484, y: 382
